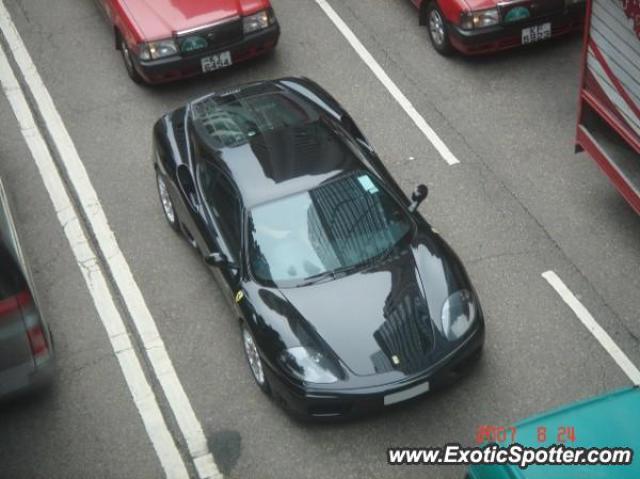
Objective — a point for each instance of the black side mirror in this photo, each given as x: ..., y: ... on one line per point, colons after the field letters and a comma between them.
x: 418, y: 196
x: 217, y: 259
x: 220, y: 260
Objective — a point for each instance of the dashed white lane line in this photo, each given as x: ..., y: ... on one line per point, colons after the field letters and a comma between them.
x: 143, y: 396
x: 388, y: 83
x: 145, y: 325
x: 594, y: 328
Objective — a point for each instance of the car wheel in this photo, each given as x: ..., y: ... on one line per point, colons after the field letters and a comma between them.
x: 128, y: 62
x: 438, y: 31
x: 254, y: 360
x: 166, y: 202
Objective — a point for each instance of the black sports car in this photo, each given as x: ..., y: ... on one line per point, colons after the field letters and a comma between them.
x: 347, y: 299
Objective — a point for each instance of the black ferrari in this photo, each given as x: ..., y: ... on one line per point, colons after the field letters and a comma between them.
x: 347, y: 299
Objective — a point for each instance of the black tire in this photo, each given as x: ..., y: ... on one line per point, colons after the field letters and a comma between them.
x: 258, y: 376
x: 438, y: 29
x: 166, y: 203
x: 128, y: 61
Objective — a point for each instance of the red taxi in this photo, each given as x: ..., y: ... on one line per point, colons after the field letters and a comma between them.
x: 165, y: 40
x: 481, y: 26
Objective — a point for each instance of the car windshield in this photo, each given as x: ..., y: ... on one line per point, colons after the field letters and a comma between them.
x: 340, y: 225
x: 232, y: 121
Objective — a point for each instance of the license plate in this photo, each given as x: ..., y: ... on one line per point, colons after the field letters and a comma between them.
x: 536, y: 33
x: 406, y: 394
x: 215, y: 62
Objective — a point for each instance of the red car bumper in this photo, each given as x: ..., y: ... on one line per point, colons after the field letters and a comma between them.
x: 176, y: 68
x: 503, y: 37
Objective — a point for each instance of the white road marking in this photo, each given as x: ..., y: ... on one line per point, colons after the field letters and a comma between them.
x: 592, y: 325
x: 137, y: 383
x: 389, y: 84
x: 145, y: 325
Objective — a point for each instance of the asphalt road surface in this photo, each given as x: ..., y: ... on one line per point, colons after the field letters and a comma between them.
x: 518, y: 204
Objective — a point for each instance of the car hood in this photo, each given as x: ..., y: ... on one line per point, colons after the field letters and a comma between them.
x: 474, y: 5
x: 164, y: 18
x: 539, y: 5
x: 386, y: 318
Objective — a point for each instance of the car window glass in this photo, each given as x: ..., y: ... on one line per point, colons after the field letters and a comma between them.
x: 234, y: 121
x: 223, y: 203
x: 341, y: 224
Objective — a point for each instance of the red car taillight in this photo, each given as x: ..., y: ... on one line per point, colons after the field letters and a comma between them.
x: 38, y: 341
x: 12, y: 303
x: 35, y: 331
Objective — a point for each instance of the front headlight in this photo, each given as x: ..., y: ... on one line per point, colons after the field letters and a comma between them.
x: 158, y: 49
x: 257, y: 21
x: 308, y: 365
x: 459, y: 312
x: 480, y: 19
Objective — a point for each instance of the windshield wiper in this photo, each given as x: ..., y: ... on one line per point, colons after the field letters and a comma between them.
x: 333, y: 274
x: 346, y: 270
x: 316, y: 278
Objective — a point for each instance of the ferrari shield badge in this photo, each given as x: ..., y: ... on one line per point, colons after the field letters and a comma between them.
x: 239, y: 296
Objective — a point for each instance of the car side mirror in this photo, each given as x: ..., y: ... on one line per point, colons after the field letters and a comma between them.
x: 217, y: 259
x: 418, y: 196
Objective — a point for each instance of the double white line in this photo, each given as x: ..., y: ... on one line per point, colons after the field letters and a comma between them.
x: 92, y: 271
x: 388, y: 83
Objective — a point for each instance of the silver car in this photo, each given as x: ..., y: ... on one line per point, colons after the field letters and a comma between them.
x: 26, y: 349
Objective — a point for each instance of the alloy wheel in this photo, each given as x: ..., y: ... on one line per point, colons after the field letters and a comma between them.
x: 126, y: 54
x: 253, y: 356
x: 165, y: 199
x: 436, y: 27
x: 127, y: 57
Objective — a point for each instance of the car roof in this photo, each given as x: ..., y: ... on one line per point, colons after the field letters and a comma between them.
x: 272, y: 141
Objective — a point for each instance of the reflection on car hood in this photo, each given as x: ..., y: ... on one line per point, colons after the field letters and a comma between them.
x: 383, y: 319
